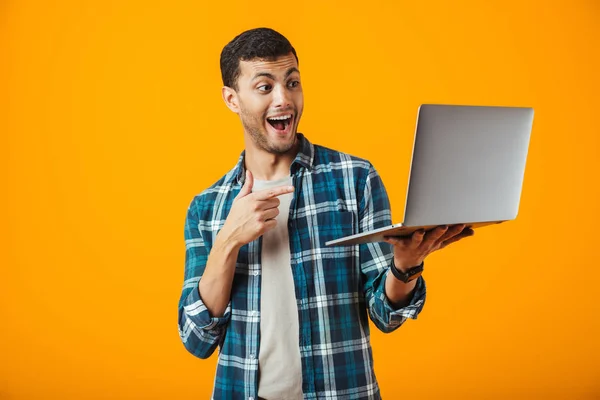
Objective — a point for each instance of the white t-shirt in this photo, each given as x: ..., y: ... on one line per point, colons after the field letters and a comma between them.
x: 280, y: 368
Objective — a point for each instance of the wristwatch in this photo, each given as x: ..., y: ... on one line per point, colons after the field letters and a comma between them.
x: 410, y: 275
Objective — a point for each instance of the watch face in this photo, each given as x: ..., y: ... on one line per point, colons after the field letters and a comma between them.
x: 415, y: 276
x: 409, y: 275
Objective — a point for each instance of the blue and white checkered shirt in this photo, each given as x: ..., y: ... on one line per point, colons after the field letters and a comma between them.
x: 336, y: 287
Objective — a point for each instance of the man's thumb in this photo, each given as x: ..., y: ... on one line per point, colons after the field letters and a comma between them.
x: 248, y: 184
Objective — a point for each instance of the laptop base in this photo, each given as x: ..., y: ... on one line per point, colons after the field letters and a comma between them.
x: 398, y: 230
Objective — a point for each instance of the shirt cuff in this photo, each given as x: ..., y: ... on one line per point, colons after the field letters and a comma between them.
x: 413, y: 308
x: 197, y: 312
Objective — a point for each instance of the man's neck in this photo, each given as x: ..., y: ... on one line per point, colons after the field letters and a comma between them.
x: 267, y: 166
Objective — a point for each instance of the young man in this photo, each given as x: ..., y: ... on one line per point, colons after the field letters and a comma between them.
x: 289, y: 314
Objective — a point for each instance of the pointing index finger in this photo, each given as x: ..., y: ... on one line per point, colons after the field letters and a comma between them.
x: 266, y: 194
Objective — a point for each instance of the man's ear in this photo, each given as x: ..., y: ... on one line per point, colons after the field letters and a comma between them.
x: 231, y: 99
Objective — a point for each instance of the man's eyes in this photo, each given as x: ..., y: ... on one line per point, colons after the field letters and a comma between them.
x: 267, y: 87
x: 264, y: 88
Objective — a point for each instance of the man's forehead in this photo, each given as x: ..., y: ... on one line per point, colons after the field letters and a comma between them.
x: 279, y: 66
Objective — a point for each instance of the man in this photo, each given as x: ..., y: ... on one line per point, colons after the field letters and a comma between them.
x: 289, y: 314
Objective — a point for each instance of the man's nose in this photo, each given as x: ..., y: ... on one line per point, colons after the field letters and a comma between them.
x: 281, y: 96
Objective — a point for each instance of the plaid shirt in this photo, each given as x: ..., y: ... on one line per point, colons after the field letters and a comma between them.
x: 337, y: 288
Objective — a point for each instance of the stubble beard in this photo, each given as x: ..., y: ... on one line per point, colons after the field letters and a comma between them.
x: 257, y: 132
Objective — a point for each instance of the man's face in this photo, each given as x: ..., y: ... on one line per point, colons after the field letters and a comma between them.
x: 270, y: 102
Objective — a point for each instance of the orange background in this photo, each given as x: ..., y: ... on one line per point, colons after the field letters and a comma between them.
x: 112, y: 121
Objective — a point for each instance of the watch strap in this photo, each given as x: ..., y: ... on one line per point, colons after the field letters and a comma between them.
x: 405, y: 276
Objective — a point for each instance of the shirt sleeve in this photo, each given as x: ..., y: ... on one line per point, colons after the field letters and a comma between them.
x: 376, y: 260
x: 199, y: 331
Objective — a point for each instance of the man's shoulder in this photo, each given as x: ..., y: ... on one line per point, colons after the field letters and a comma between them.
x: 326, y: 157
x: 215, y: 193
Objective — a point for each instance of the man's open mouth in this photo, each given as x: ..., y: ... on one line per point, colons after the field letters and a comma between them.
x: 280, y: 123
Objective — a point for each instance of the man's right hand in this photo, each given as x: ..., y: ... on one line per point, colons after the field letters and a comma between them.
x: 252, y: 214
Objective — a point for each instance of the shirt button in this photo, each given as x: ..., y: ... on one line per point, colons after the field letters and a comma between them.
x: 255, y: 273
x: 254, y: 313
x: 250, y: 398
x: 252, y: 356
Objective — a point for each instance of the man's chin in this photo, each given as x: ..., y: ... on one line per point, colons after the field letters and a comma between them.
x: 280, y: 150
x: 288, y: 145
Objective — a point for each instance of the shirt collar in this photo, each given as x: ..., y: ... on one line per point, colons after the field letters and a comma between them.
x: 304, y: 158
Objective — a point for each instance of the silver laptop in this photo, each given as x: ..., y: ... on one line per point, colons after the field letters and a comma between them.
x: 468, y: 164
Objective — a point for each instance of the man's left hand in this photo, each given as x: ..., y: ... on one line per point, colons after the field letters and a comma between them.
x: 410, y: 251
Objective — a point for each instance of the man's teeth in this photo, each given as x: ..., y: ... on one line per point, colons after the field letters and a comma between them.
x: 282, y: 118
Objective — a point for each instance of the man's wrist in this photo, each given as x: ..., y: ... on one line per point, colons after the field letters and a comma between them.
x: 404, y: 266
x: 407, y: 275
x: 226, y: 242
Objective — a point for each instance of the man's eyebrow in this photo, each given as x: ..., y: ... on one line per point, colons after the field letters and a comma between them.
x: 291, y: 71
x: 270, y: 76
